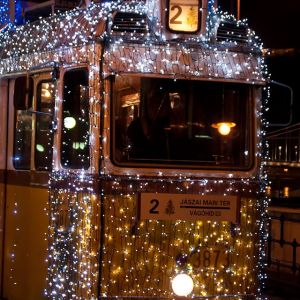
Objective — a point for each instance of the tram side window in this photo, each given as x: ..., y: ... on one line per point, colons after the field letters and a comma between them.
x: 190, y: 123
x: 75, y: 149
x: 23, y: 122
x: 43, y: 134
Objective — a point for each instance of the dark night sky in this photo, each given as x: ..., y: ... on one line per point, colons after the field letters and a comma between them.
x: 277, y: 24
x: 275, y: 21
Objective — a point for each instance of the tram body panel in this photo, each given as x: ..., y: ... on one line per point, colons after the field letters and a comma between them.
x: 25, y: 255
x: 81, y: 211
x: 3, y: 128
x: 147, y: 253
x: 25, y: 206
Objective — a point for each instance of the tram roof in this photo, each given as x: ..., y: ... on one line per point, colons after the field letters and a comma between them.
x: 85, y: 26
x: 72, y: 28
x: 82, y: 26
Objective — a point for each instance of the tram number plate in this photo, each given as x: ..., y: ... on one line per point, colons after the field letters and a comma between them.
x: 210, y: 258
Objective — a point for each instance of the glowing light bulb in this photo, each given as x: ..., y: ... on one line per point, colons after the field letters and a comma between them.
x: 224, y: 128
x: 182, y: 284
x: 40, y: 148
x: 69, y: 122
x: 47, y: 94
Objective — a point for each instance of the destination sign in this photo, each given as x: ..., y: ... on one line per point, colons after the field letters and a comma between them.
x: 184, y: 15
x: 161, y: 206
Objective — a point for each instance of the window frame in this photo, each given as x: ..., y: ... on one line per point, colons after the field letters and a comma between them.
x: 59, y: 140
x: 31, y: 101
x: 251, y: 113
x: 37, y: 77
x: 36, y: 98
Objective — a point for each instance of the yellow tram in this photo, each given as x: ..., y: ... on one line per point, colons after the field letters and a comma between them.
x: 131, y: 141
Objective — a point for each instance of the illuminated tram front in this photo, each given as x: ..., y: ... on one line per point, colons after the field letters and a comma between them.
x: 155, y: 185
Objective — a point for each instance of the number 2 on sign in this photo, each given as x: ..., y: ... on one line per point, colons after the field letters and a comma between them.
x: 155, y: 204
x: 184, y: 15
x: 177, y: 14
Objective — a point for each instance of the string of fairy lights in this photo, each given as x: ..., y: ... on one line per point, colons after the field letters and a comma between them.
x: 4, y: 12
x: 144, y: 256
x: 97, y: 245
x: 14, y: 245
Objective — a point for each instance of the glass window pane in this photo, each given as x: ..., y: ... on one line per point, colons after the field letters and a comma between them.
x: 23, y: 93
x: 181, y: 122
x: 44, y: 134
x: 75, y: 130
x: 22, y: 139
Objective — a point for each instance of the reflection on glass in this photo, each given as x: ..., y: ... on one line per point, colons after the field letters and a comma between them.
x: 22, y: 145
x: 40, y: 148
x: 75, y: 150
x: 69, y: 122
x: 23, y: 122
x: 44, y: 134
x: 224, y: 128
x: 170, y: 122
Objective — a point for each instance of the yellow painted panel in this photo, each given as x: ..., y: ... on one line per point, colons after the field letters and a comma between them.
x: 1, y: 227
x: 25, y: 253
x: 142, y: 256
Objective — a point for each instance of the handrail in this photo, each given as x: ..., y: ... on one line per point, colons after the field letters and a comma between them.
x: 284, y: 144
x: 293, y: 265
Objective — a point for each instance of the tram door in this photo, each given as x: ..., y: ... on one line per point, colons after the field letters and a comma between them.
x: 24, y: 188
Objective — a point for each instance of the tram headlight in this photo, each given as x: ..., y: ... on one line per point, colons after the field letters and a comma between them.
x: 182, y: 284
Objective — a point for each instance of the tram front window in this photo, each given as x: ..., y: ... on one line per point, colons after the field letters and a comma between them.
x: 181, y: 122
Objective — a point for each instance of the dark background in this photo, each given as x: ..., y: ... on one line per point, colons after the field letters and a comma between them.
x: 275, y: 21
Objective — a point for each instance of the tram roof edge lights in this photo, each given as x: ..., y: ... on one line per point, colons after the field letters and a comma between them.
x: 83, y: 26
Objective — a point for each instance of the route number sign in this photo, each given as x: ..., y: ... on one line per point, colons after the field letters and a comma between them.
x: 189, y: 207
x: 184, y: 15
